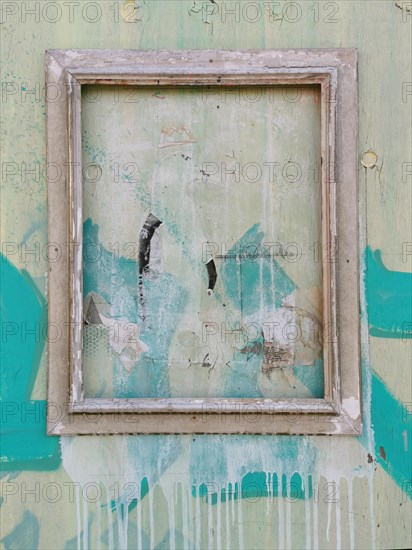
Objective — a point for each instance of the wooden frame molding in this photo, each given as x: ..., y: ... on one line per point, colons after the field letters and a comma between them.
x: 339, y: 412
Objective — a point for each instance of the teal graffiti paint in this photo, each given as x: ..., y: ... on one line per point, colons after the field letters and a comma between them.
x: 253, y: 280
x: 241, y: 378
x: 254, y: 486
x: 389, y: 309
x: 23, y: 318
x: 25, y: 535
x: 250, y: 282
x: 111, y: 276
x: 312, y: 377
x: 389, y: 299
x: 115, y: 278
x: 392, y: 425
x: 270, y: 468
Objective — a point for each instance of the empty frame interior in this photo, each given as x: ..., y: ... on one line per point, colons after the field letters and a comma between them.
x: 234, y: 177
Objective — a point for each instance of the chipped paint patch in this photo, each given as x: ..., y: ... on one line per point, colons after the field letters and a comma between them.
x: 351, y: 406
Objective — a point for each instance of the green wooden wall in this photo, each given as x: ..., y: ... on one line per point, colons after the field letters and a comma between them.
x: 208, y: 491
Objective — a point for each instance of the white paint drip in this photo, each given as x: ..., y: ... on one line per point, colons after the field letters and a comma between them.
x: 185, y: 518
x: 307, y: 516
x: 123, y: 512
x: 288, y: 519
x: 372, y: 511
x: 315, y: 526
x: 232, y: 503
x: 109, y: 519
x: 98, y: 524
x: 329, y: 519
x: 78, y: 517
x: 151, y: 519
x: 351, y: 517
x: 219, y: 522
x: 269, y: 491
x: 139, y: 541
x: 85, y: 525
x: 227, y: 514
x: 172, y: 531
x: 338, y: 525
x: 197, y: 521
x: 280, y: 502
x: 240, y: 524
x: 222, y: 525
x: 210, y: 522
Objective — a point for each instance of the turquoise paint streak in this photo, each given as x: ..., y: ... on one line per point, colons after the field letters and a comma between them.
x: 392, y: 425
x: 108, y: 274
x: 25, y: 535
x: 254, y: 486
x: 276, y: 466
x: 116, y: 279
x: 389, y: 311
x: 23, y: 318
x: 251, y: 283
x: 258, y: 281
x: 389, y: 299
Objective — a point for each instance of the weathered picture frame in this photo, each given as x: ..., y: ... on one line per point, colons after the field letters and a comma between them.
x: 335, y: 71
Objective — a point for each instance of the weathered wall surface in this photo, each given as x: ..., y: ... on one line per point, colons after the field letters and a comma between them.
x: 206, y: 491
